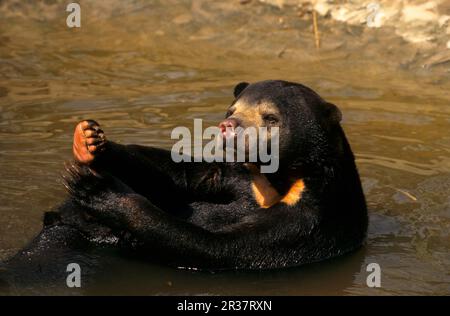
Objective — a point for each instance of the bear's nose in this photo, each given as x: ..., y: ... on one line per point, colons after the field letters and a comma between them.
x: 229, y: 123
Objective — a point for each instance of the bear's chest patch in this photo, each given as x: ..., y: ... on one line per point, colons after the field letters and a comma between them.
x: 266, y: 195
x: 295, y: 193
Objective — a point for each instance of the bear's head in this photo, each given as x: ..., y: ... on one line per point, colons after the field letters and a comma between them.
x: 309, y: 129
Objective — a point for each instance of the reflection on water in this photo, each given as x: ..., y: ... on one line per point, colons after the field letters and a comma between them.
x: 143, y: 68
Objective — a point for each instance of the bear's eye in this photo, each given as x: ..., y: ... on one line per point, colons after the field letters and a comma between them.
x: 229, y: 113
x: 270, y: 119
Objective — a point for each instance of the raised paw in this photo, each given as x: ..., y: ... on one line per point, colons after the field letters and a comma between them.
x: 88, y: 141
x: 101, y: 194
x: 90, y: 187
x: 83, y: 183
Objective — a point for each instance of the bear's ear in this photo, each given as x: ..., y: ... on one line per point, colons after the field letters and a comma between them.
x: 239, y: 88
x: 332, y: 113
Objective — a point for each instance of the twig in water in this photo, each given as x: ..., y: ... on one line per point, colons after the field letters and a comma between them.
x: 407, y: 194
x: 316, y: 29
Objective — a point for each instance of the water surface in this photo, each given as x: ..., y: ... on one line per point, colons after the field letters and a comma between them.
x: 142, y: 68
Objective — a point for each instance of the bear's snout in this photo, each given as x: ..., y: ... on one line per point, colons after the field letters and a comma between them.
x: 228, y: 126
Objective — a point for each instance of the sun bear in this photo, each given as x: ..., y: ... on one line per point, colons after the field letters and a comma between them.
x: 216, y: 215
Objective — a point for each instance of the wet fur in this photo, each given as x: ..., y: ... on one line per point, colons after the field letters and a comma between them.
x: 205, y: 215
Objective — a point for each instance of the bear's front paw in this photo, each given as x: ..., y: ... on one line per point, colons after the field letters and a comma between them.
x: 84, y: 184
x: 104, y: 196
x: 91, y: 188
x: 88, y: 141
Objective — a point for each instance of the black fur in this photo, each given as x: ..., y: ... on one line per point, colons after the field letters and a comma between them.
x: 204, y: 215
x: 239, y: 88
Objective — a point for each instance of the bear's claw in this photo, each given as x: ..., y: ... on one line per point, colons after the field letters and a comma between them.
x: 83, y: 183
x: 90, y: 188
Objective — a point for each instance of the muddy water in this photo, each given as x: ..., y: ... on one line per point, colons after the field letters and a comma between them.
x: 141, y: 69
